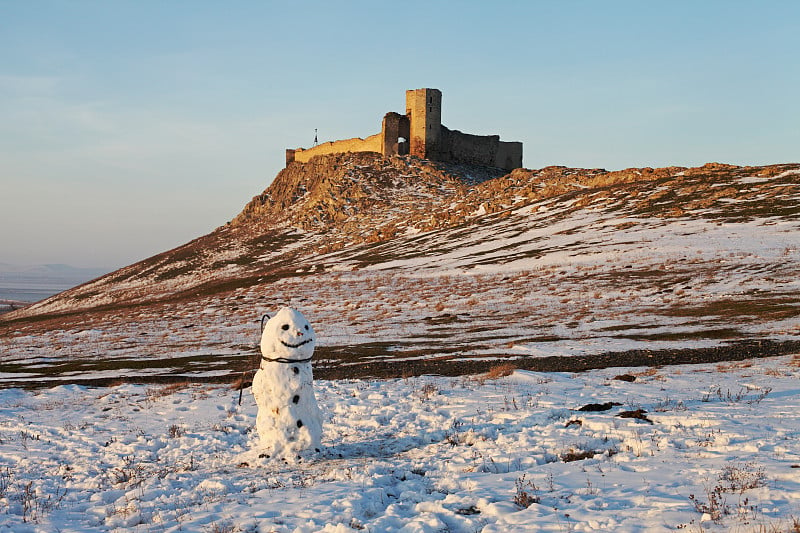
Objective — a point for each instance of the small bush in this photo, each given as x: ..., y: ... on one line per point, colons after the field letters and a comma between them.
x: 736, y: 478
x: 223, y: 527
x: 427, y: 391
x: 526, y: 493
x: 741, y: 477
x: 5, y: 481
x: 714, y: 506
x: 130, y: 474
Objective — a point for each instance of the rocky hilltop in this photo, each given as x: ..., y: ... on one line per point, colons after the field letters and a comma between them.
x: 343, y: 201
x: 364, y: 243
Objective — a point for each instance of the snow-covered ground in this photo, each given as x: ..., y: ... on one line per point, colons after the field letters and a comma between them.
x: 706, y: 258
x: 587, y: 283
x: 714, y: 447
x: 719, y: 451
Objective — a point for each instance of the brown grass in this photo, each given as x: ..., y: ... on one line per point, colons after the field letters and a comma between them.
x: 497, y: 372
x: 167, y: 390
x: 737, y: 365
x: 243, y: 381
x: 650, y: 372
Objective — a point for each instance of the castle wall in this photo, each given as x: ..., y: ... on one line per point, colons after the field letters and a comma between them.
x: 486, y: 150
x: 466, y: 148
x: 373, y: 143
x: 394, y: 127
x: 509, y: 155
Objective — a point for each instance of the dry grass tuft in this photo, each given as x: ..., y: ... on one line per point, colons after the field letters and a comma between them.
x: 500, y: 371
x: 496, y: 372
x: 651, y: 372
x: 243, y: 381
x: 167, y: 390
x: 775, y: 372
x: 728, y: 367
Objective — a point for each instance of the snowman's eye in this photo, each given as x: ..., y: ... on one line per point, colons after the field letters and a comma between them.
x: 306, y: 327
x: 285, y: 327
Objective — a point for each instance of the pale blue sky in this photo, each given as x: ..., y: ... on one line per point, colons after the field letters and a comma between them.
x: 131, y: 127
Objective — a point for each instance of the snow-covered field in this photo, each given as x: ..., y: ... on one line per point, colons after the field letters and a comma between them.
x: 535, y: 288
x: 704, y: 259
x: 685, y: 264
x: 719, y: 451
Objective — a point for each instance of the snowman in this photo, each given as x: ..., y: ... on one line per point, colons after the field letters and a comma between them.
x: 289, y: 420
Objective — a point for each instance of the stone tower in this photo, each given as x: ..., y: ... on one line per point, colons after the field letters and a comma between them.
x: 424, y: 111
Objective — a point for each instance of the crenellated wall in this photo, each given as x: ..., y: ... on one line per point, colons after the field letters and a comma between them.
x: 420, y: 132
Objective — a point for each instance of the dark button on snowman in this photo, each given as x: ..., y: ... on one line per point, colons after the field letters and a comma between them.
x: 289, y: 420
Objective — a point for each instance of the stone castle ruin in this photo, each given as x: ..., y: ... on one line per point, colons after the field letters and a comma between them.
x: 420, y: 133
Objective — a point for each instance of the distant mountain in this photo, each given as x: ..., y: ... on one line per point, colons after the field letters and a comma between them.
x: 50, y: 271
x: 31, y: 283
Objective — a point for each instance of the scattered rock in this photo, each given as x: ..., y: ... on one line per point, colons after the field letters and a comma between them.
x: 636, y: 413
x: 578, y: 455
x: 595, y: 407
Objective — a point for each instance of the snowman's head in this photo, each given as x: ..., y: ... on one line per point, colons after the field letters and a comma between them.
x: 288, y: 335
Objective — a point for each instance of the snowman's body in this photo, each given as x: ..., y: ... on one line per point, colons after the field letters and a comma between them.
x: 289, y: 420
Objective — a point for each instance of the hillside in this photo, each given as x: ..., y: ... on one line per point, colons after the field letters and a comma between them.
x: 402, y: 259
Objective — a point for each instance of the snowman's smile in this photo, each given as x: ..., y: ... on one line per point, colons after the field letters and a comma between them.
x: 296, y: 345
